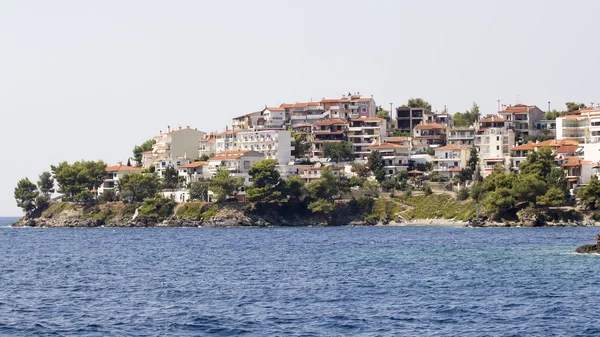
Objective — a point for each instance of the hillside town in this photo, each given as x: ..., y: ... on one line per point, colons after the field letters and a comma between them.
x: 413, y: 139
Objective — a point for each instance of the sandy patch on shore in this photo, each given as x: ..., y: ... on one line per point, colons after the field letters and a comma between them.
x: 430, y: 222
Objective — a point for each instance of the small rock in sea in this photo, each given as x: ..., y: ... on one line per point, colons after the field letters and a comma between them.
x: 588, y: 249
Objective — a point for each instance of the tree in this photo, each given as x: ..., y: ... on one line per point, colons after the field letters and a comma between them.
x: 206, y: 157
x: 199, y: 190
x: 553, y: 198
x: 139, y: 186
x: 266, y: 181
x: 538, y: 163
x: 46, y: 183
x: 551, y: 115
x: 300, y: 145
x: 361, y: 170
x: 371, y: 186
x: 572, y: 107
x: 170, y: 178
x: 498, y: 202
x: 78, y: 178
x: 418, y: 103
x: 337, y: 151
x: 322, y: 206
x: 427, y: 189
x: 138, y: 149
x: 589, y: 195
x: 382, y: 113
x: 224, y: 185
x: 398, y: 133
x: 294, y: 188
x: 108, y: 196
x: 527, y: 188
x: 25, y: 194
x: 375, y: 164
x: 326, y: 187
x: 468, y: 118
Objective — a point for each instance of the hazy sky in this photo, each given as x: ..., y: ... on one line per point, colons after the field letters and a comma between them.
x: 90, y: 79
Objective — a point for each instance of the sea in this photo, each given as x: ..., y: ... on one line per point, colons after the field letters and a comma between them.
x: 337, y: 281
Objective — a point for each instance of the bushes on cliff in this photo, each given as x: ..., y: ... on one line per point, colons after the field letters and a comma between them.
x: 158, y: 207
x: 138, y: 187
x: 224, y: 185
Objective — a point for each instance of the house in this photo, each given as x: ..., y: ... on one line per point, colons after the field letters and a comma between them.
x: 306, y: 113
x: 313, y: 172
x: 461, y: 136
x: 449, y: 160
x: 147, y: 159
x: 246, y: 121
x: 182, y: 142
x: 408, y: 118
x: 582, y: 126
x: 272, y: 143
x: 577, y: 171
x: 236, y: 162
x: 522, y: 119
x: 207, y: 146
x: 326, y: 131
x: 403, y: 141
x: 430, y: 134
x: 114, y: 174
x: 194, y: 172
x: 364, y: 132
x: 161, y: 165
x: 493, y: 141
x: 395, y: 157
x: 559, y: 148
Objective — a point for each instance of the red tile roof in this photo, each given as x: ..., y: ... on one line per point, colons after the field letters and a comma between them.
x: 194, y: 164
x: 455, y: 169
x: 492, y: 119
x: 276, y: 109
x: 387, y: 146
x: 118, y: 168
x: 567, y: 149
x: 528, y: 146
x: 429, y: 126
x: 415, y: 172
x: 367, y: 119
x: 330, y: 122
x: 450, y: 147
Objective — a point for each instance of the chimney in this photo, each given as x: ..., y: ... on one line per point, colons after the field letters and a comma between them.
x: 161, y: 132
x: 179, y: 127
x: 168, y: 128
x: 187, y: 127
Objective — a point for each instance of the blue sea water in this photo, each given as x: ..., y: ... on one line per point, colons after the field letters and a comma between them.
x: 345, y: 281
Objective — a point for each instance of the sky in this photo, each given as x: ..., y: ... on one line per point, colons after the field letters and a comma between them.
x: 88, y: 80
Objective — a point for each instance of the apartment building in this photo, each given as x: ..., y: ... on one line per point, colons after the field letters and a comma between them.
x: 161, y: 165
x: 583, y: 126
x: 207, y: 146
x: 305, y: 113
x: 227, y: 140
x: 522, y: 119
x: 560, y: 148
x: 449, y: 160
x: 493, y: 142
x: 181, y: 142
x: 461, y: 136
x: 408, y: 118
x: 331, y: 130
x: 272, y: 143
x: 395, y: 157
x: 429, y: 134
x: 194, y: 172
x: 403, y: 141
x: 237, y: 162
x: 114, y: 174
x: 364, y: 132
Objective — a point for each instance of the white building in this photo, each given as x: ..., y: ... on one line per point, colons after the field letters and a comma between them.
x: 493, y: 142
x: 461, y: 136
x: 194, y: 172
x: 365, y: 132
x: 182, y: 142
x: 583, y: 126
x: 449, y: 160
x: 114, y: 174
x: 207, y: 146
x: 161, y: 165
x: 395, y: 158
x: 272, y: 143
x: 237, y: 162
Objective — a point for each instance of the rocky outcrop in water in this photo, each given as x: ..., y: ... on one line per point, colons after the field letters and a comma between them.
x: 588, y: 249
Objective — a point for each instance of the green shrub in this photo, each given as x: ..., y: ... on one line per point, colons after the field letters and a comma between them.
x: 158, y: 207
x: 463, y: 194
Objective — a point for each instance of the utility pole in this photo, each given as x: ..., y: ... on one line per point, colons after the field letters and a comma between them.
x: 548, y: 106
x: 391, y: 113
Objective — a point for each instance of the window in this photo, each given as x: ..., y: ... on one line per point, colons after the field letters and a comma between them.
x: 497, y: 138
x: 497, y: 147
